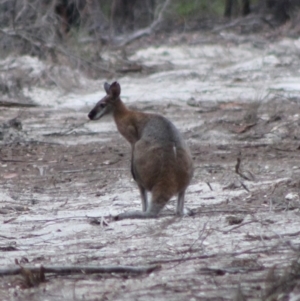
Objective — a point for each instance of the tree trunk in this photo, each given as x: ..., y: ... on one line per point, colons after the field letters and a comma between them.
x: 122, y: 15
x: 245, y: 7
x: 228, y: 8
x: 231, y: 8
x: 128, y: 15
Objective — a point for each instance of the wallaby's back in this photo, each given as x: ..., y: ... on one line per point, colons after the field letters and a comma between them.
x: 161, y: 157
x: 161, y: 161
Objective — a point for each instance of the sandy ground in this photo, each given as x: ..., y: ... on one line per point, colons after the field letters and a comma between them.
x: 62, y: 177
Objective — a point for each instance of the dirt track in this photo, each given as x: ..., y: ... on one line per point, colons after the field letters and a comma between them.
x: 231, y: 100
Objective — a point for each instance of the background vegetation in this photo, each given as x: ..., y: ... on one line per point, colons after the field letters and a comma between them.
x: 75, y: 31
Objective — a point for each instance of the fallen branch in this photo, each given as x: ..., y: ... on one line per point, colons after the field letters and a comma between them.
x: 82, y: 269
x: 10, y: 104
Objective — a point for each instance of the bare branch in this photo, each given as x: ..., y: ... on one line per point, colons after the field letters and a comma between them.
x: 148, y: 30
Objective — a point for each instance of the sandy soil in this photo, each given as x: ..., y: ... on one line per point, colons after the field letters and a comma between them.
x: 62, y: 177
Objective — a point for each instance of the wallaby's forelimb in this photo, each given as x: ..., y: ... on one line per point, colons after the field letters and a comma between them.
x: 155, y: 207
x: 180, y: 203
x: 143, y: 193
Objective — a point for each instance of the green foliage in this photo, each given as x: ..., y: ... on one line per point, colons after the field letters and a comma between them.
x: 106, y: 7
x: 193, y: 8
x: 190, y: 8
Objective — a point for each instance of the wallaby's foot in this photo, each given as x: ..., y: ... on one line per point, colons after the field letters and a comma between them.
x: 134, y: 214
x: 186, y: 212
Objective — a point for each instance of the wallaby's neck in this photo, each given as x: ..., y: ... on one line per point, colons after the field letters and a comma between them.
x: 129, y: 123
x: 120, y: 110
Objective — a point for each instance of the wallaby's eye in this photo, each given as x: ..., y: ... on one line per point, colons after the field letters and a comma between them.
x: 102, y: 105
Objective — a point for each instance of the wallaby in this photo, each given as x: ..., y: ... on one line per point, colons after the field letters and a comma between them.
x: 161, y: 161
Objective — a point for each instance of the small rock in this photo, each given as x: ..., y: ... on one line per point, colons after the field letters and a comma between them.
x: 234, y: 220
x: 292, y: 196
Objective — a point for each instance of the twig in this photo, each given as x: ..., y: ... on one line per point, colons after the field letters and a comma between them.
x: 238, y: 226
x: 229, y: 270
x: 208, y: 184
x: 239, y: 172
x: 244, y: 186
x: 82, y: 269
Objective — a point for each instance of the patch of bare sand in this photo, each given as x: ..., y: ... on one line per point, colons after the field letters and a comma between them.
x: 230, y: 101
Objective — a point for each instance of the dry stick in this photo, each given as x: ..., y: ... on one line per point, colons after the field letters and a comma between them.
x: 244, y: 186
x: 237, y: 170
x: 82, y: 269
x: 4, y: 103
x: 208, y: 184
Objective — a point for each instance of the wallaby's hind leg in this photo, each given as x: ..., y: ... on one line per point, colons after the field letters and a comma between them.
x: 180, y: 203
x: 151, y: 212
x: 180, y: 210
x: 157, y: 203
x: 143, y: 193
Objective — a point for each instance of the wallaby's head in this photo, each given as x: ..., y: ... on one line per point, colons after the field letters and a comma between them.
x: 106, y: 104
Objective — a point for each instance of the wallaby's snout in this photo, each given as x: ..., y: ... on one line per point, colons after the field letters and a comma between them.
x: 161, y: 162
x: 92, y: 114
x: 99, y: 110
x: 106, y: 104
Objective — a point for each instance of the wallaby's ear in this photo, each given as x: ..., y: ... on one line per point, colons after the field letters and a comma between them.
x: 115, y: 89
x: 106, y: 87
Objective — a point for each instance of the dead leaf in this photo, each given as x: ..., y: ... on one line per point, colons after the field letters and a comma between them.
x: 10, y: 175
x: 244, y: 128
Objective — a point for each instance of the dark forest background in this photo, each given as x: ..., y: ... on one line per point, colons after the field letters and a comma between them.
x: 77, y: 30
